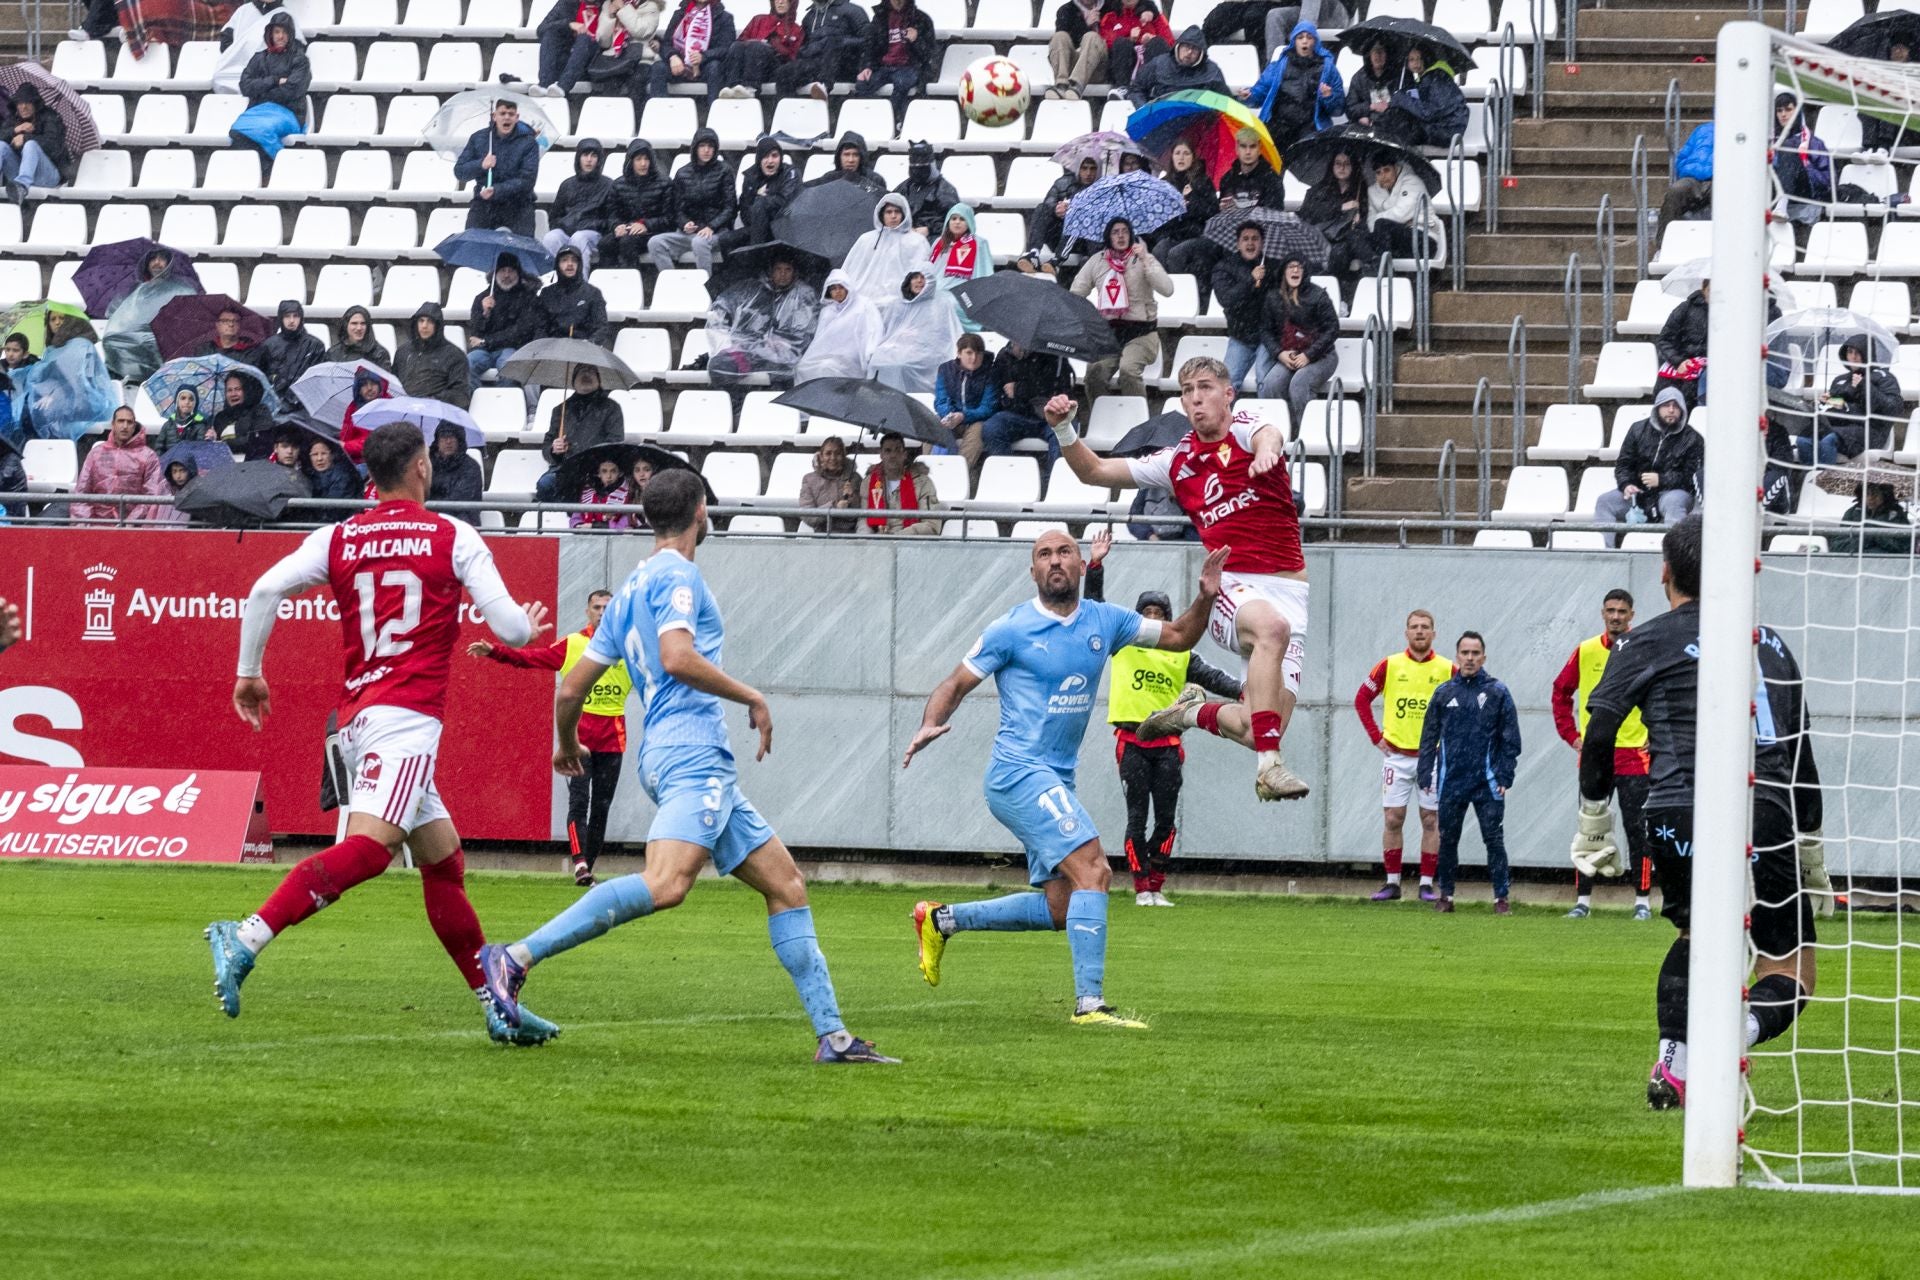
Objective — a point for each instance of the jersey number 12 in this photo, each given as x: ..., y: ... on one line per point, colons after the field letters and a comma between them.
x: 384, y: 640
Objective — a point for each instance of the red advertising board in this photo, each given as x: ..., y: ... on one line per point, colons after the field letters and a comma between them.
x: 133, y: 815
x: 128, y: 658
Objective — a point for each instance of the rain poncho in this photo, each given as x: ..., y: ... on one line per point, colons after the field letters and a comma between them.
x: 847, y: 333
x: 756, y: 328
x: 127, y: 336
x: 880, y: 259
x: 68, y: 392
x: 121, y: 469
x: 246, y: 35
x: 919, y: 337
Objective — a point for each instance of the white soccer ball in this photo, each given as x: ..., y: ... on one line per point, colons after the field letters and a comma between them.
x: 993, y: 92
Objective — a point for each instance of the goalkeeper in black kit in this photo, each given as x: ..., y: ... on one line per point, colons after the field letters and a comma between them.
x: 1655, y: 669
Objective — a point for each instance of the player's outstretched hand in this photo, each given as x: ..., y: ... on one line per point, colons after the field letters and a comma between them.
x: 1060, y: 409
x: 923, y: 739
x: 479, y: 649
x: 570, y: 762
x: 537, y: 618
x: 1813, y: 872
x: 760, y: 716
x: 9, y: 623
x: 250, y: 700
x: 1210, y: 571
x: 1264, y: 460
x: 1102, y: 543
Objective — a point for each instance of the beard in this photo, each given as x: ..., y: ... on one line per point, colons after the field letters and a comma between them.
x: 1063, y: 597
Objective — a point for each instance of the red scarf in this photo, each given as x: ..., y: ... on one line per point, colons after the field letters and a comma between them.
x: 877, y: 495
x: 960, y: 256
x: 1113, y: 301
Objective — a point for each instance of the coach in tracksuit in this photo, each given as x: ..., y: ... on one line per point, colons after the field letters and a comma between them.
x: 1468, y: 749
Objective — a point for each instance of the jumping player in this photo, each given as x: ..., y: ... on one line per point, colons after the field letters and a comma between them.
x: 665, y: 625
x: 1228, y: 476
x: 1404, y: 682
x: 397, y: 572
x: 1654, y: 669
x: 1045, y: 655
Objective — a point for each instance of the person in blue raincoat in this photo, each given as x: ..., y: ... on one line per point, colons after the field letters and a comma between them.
x: 1692, y: 188
x: 68, y: 392
x: 276, y: 83
x: 1300, y: 92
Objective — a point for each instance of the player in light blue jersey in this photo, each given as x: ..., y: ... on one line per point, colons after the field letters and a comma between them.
x: 1045, y: 656
x: 664, y: 624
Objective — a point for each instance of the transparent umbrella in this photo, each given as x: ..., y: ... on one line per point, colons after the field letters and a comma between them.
x: 464, y: 114
x: 1798, y: 340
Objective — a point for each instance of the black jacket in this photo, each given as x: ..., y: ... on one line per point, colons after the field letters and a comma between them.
x: 703, y: 193
x: 592, y: 419
x: 1436, y: 101
x: 516, y: 164
x: 584, y: 201
x: 49, y: 130
x: 1242, y: 302
x: 1321, y: 207
x: 1886, y: 533
x: 1314, y: 314
x: 923, y: 54
x: 1263, y: 184
x: 1202, y: 203
x: 1684, y: 335
x: 1361, y: 88
x: 1164, y: 74
x: 719, y: 40
x: 1036, y: 378
x: 574, y: 309
x: 865, y: 175
x: 285, y: 356
x: 928, y: 200
x: 244, y: 420
x: 341, y: 480
x: 1068, y: 20
x: 260, y: 82
x: 650, y: 199
x: 432, y: 368
x: 758, y: 191
x: 1871, y: 409
x: 836, y: 34
x: 1675, y: 454
x: 456, y: 479
x: 369, y: 350
x: 513, y: 322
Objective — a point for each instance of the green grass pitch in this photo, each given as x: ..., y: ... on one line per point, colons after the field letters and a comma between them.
x: 1329, y: 1089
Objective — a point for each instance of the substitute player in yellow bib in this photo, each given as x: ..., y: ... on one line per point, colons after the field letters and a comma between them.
x: 603, y: 732
x: 1404, y: 682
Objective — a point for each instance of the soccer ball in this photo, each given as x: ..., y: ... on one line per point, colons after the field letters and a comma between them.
x: 993, y: 92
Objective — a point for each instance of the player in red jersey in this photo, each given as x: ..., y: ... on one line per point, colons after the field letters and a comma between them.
x: 1228, y: 475
x: 397, y: 572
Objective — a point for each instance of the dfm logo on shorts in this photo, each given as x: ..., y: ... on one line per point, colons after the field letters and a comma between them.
x: 369, y: 779
x: 1073, y: 697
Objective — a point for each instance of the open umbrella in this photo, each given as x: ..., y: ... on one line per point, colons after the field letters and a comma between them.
x: 758, y: 257
x: 1147, y: 202
x: 206, y: 377
x: 575, y: 470
x: 1037, y: 314
x: 260, y: 443
x: 1815, y: 329
x: 481, y: 250
x: 550, y: 362
x: 1104, y: 148
x: 1162, y: 431
x: 423, y: 413
x: 30, y: 318
x: 205, y: 455
x: 247, y: 493
x: 58, y: 96
x: 326, y: 390
x: 1870, y: 36
x: 110, y: 272
x: 1846, y: 480
x: 827, y: 219
x: 1401, y: 34
x: 1206, y: 121
x: 466, y: 113
x: 186, y: 324
x: 869, y: 405
x: 1307, y: 159
x: 1286, y: 235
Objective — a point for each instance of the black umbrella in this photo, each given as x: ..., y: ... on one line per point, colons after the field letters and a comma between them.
x: 575, y: 470
x: 260, y: 443
x: 1309, y: 158
x: 1400, y: 34
x: 1162, y: 431
x: 870, y: 405
x: 1871, y: 35
x: 1286, y: 236
x: 247, y: 493
x: 827, y: 219
x: 1037, y: 314
x: 757, y: 258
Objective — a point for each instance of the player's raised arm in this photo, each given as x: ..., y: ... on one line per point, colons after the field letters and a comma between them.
x: 941, y: 705
x: 1186, y: 631
x: 9, y: 624
x: 679, y: 659
x: 304, y: 568
x: 1084, y: 462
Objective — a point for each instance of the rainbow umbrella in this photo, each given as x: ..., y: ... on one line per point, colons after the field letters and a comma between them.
x: 1206, y: 121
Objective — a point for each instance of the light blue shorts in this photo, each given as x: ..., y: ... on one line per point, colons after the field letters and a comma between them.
x: 1043, y: 813
x: 700, y: 803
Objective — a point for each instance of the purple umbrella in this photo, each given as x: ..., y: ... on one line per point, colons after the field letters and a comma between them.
x: 185, y: 326
x: 112, y: 271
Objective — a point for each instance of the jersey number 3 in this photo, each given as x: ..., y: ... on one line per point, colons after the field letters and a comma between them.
x: 383, y: 640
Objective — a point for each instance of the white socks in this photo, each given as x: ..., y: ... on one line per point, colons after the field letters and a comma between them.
x: 1642, y: 900
x: 1087, y: 1004
x: 1753, y: 1029
x: 1393, y: 877
x: 521, y: 956
x: 838, y: 1040
x: 1673, y: 1056
x: 1584, y: 900
x: 254, y: 934
x: 1266, y: 757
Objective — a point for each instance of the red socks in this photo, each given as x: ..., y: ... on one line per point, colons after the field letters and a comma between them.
x: 1208, y: 717
x: 1393, y: 860
x: 444, y: 886
x: 1266, y: 731
x: 321, y: 879
x: 1429, y: 865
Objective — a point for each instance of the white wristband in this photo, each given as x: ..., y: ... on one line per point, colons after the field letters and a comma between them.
x: 1065, y: 432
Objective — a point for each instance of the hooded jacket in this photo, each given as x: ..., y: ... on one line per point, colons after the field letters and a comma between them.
x: 1144, y: 277
x: 864, y: 175
x: 590, y: 418
x: 758, y: 191
x: 1872, y: 407
x: 938, y: 253
x: 782, y: 35
x: 923, y: 52
x: 720, y: 37
x: 1259, y: 184
x: 847, y: 331
x: 1650, y: 446
x: 769, y: 326
x: 353, y: 436
x: 1239, y: 299
x: 1696, y: 155
x: 836, y: 31
x: 1684, y: 335
x: 929, y: 195
x: 1293, y: 81
x: 240, y: 423
x: 703, y: 193
x: 513, y: 322
x: 1312, y: 313
x: 880, y: 259
x: 1437, y: 103
x: 1164, y: 74
x: 1401, y: 204
x: 368, y: 350
x: 455, y: 479
x: 113, y: 468
x: 285, y: 356
x: 516, y: 164
x: 1118, y: 22
x: 1471, y: 738
x: 49, y: 130
x: 584, y: 201
x: 260, y: 82
x: 648, y: 200
x: 432, y: 367
x: 1803, y: 166
x: 173, y: 430
x: 172, y: 515
x: 574, y: 308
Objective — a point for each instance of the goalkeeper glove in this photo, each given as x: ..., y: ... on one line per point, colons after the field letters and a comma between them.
x: 1594, y: 853
x: 1813, y: 873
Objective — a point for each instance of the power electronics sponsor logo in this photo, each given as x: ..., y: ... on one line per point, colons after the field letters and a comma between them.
x: 1073, y: 697
x: 99, y: 602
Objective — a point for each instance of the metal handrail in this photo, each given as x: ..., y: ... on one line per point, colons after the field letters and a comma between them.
x: 1670, y: 121
x: 1379, y: 383
x: 1792, y: 15
x: 1637, y: 177
x: 1571, y: 297
x: 1423, y: 279
x: 1454, y: 181
x: 1603, y: 235
x: 1383, y: 307
x: 1482, y: 416
x: 1336, y: 446
x: 1572, y: 31
x: 1517, y: 381
x: 1447, y: 482
x: 1536, y: 11
x: 1491, y: 133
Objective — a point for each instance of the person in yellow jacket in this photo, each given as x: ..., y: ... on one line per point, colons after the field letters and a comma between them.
x: 1139, y: 683
x: 1404, y: 682
x: 603, y: 732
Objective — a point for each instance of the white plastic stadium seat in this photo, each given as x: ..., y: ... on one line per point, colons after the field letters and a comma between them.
x: 1517, y: 539
x: 1533, y: 492
x: 1648, y: 311
x: 1625, y: 370
x: 51, y: 465
x: 735, y: 477
x: 1594, y: 481
x: 1010, y: 480
x: 1568, y: 433
x: 515, y: 471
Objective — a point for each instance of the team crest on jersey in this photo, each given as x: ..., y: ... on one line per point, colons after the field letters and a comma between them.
x: 1225, y: 452
x: 1482, y: 702
x: 1069, y: 825
x: 369, y: 779
x: 1096, y: 644
x: 682, y: 600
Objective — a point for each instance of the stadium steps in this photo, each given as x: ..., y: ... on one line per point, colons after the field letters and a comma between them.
x: 1632, y: 84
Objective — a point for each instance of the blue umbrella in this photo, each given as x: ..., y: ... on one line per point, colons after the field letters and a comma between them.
x: 205, y: 455
x: 206, y: 377
x: 481, y: 250
x: 1147, y: 202
x: 421, y: 412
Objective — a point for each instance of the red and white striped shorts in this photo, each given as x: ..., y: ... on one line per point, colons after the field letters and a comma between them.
x: 390, y: 753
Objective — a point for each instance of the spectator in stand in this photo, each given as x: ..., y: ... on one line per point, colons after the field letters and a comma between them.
x: 180, y: 473
x: 771, y: 41
x: 1187, y: 174
x: 963, y: 392
x: 643, y: 206
x: 1151, y: 500
x: 1372, y: 88
x: 428, y: 364
x: 1048, y: 221
x: 1273, y: 30
x: 1027, y: 380
x: 572, y: 308
x: 1135, y: 34
x: 504, y: 317
x: 848, y: 329
x: 126, y: 340
x: 184, y: 421
x: 357, y: 341
x: 693, y: 48
x: 628, y: 49
x: 1655, y: 470
x: 120, y: 464
x: 1121, y: 280
x: 290, y: 352
x: 1250, y: 182
x: 850, y: 164
x: 368, y: 386
x: 1801, y: 164
x: 456, y: 474
x: 957, y: 255
x: 1337, y: 206
x: 1885, y: 135
x: 833, y: 484
x: 921, y: 328
x: 896, y: 484
x: 502, y: 162
x: 1864, y: 404
x: 703, y: 198
x: 241, y: 415
x: 1185, y: 66
x: 1077, y: 53
x: 881, y: 258
x: 17, y: 352
x: 1300, y: 92
x: 929, y: 195
x: 766, y: 190
x: 331, y: 475
x: 1429, y: 112
x: 585, y: 419
x: 761, y: 324
x: 1301, y: 325
x: 289, y: 443
x: 582, y: 210
x: 637, y: 481
x: 227, y: 340
x: 36, y: 152
x: 1469, y: 750
x: 1682, y: 345
x: 1691, y: 193
x: 275, y: 84
x: 67, y: 392
x: 1240, y: 294
x: 1877, y: 507
x: 835, y: 36
x: 903, y: 55
x: 576, y: 33
x: 1393, y: 211
x: 606, y: 487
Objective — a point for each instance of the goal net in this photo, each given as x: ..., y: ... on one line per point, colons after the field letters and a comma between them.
x: 1816, y: 499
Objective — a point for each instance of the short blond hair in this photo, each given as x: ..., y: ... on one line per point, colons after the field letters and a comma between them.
x: 1246, y: 134
x: 1205, y: 364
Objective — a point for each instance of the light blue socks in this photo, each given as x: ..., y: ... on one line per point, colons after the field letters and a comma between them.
x: 1017, y: 912
x: 798, y: 949
x: 594, y: 912
x: 1087, y: 939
